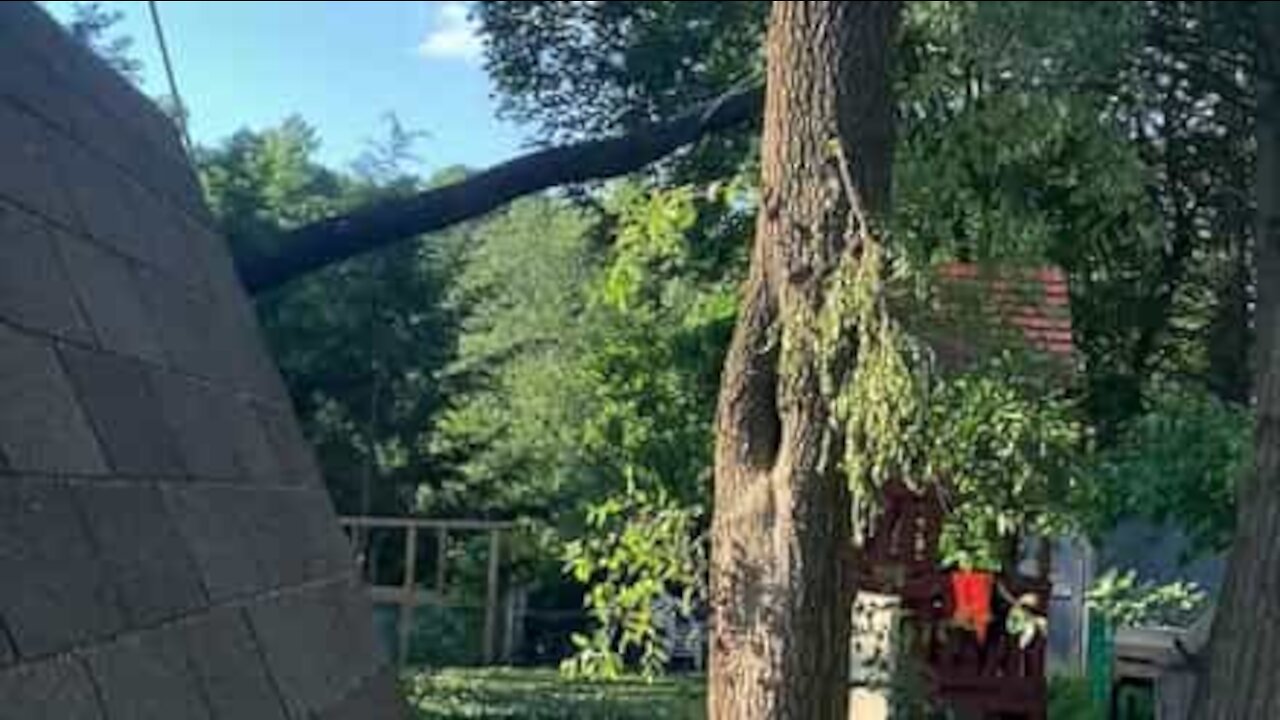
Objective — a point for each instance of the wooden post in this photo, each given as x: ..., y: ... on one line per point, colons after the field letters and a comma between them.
x: 510, y: 613
x: 1044, y: 558
x: 491, y: 598
x: 408, y: 592
x: 442, y: 558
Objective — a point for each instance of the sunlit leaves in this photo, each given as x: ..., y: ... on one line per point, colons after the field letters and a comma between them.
x: 1128, y: 602
x: 1008, y: 449
x: 640, y: 547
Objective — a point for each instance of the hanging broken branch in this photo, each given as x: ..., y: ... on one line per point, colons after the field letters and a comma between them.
x: 314, y: 246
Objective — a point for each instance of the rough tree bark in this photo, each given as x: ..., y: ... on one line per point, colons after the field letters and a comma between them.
x: 781, y: 530
x: 1242, y: 678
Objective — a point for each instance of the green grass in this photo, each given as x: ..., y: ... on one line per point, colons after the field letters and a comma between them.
x: 542, y: 694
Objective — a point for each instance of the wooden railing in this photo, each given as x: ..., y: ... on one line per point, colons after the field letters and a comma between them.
x: 408, y: 595
x: 996, y: 677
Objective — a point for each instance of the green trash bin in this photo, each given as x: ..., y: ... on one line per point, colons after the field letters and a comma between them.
x: 1101, y: 659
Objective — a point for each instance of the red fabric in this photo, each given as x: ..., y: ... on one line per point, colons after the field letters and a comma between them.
x: 971, y: 590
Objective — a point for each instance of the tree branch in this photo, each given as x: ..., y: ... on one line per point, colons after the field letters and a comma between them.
x: 314, y: 246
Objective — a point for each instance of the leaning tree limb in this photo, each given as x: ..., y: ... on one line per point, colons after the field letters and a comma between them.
x: 316, y: 245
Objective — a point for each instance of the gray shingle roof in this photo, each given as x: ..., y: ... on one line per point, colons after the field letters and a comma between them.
x: 167, y: 548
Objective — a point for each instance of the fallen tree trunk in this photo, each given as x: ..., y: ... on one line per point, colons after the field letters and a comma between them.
x: 314, y: 246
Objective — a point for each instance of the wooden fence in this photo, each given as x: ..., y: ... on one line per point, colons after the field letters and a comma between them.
x: 409, y: 594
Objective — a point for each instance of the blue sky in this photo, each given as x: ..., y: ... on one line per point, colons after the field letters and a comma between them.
x: 340, y: 65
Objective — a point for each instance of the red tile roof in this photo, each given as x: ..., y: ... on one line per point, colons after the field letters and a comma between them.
x: 1033, y: 301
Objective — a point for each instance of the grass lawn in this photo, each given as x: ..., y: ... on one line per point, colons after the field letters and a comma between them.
x: 541, y: 694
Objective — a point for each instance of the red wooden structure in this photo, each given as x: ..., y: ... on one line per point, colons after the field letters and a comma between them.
x: 993, y: 676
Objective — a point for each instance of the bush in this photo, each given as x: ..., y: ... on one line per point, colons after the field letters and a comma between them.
x: 1069, y: 700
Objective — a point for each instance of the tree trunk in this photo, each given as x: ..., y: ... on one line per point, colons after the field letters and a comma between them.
x: 1242, y: 679
x: 780, y: 593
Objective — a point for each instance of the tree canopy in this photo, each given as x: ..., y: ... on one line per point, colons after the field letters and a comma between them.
x: 557, y: 360
x: 567, y: 349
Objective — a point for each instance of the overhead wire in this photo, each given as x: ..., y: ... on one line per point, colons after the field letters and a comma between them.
x: 179, y: 106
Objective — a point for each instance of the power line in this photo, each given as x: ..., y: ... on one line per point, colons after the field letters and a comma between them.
x: 179, y: 106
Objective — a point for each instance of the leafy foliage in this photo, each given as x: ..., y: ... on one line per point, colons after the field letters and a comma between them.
x: 1178, y: 464
x: 1030, y: 133
x: 510, y: 431
x: 590, y: 381
x: 1002, y: 439
x: 93, y: 25
x: 1008, y: 448
x: 589, y: 68
x: 882, y: 404
x: 667, y: 306
x: 1026, y: 137
x: 359, y: 344
x: 1001, y: 133
x: 1026, y: 134
x: 1128, y: 602
x: 259, y: 183
x: 1107, y: 138
x: 584, y: 69
x: 640, y: 547
x: 666, y: 303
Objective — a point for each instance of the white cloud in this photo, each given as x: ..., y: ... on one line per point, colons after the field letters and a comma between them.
x: 453, y: 35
